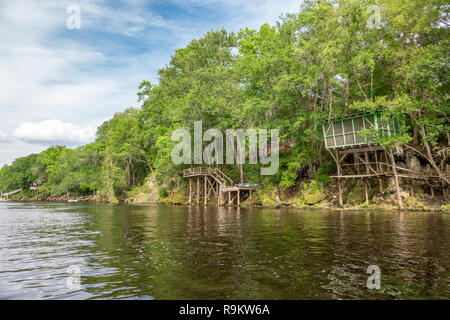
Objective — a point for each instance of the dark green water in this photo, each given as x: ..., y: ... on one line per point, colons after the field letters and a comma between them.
x: 161, y: 252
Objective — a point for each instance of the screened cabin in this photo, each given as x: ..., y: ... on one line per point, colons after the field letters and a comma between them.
x: 348, y: 131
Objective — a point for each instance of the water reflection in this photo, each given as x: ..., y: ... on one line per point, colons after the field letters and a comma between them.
x: 164, y: 252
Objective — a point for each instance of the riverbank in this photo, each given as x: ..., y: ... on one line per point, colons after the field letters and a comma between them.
x: 374, y: 207
x: 273, y: 200
x: 309, y: 194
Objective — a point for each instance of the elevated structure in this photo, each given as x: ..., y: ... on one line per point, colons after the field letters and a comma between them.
x: 209, y: 183
x: 358, y: 130
x: 7, y: 194
x: 352, y: 142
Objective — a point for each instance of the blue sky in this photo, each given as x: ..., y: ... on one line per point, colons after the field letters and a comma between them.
x: 57, y: 85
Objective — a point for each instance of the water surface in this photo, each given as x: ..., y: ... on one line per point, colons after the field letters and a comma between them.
x: 171, y: 252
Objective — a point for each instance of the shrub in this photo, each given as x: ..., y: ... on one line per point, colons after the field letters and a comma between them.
x: 162, y: 193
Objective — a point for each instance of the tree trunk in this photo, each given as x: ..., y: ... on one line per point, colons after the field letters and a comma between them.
x: 430, y: 156
x: 397, y: 186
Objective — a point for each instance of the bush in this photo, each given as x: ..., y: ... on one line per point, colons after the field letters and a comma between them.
x: 268, y: 197
x: 162, y: 193
x: 323, y: 173
x: 312, y: 194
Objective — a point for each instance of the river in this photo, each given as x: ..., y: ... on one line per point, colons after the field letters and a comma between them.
x: 99, y: 251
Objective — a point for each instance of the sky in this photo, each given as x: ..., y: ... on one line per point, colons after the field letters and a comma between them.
x: 68, y: 66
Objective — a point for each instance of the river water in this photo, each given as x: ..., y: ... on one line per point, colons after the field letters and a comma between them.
x: 98, y: 251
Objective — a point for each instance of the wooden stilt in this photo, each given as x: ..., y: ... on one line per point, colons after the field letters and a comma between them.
x: 205, y: 191
x: 198, y: 190
x: 366, y: 182
x: 229, y: 198
x: 397, y: 186
x: 217, y: 188
x: 356, y: 159
x: 238, y: 197
x: 410, y: 183
x: 341, y: 202
x: 190, y: 190
x: 379, y: 170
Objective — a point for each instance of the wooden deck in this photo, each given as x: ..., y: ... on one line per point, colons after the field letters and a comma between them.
x: 365, y: 163
x: 210, y: 183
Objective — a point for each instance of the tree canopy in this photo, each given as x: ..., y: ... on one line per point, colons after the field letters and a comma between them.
x: 329, y: 59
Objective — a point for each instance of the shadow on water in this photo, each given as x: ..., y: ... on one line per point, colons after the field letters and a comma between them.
x: 175, y: 252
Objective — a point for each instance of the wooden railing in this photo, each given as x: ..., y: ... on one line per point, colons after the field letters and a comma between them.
x: 214, y: 172
x: 9, y: 193
x: 382, y: 168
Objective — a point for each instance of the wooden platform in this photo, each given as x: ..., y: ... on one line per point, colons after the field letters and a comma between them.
x: 374, y: 162
x: 210, y: 183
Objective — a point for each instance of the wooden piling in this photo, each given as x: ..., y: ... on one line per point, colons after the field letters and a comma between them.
x: 190, y: 190
x: 366, y: 186
x: 205, y: 191
x: 397, y: 186
x: 341, y: 202
x: 380, y: 171
x: 198, y: 190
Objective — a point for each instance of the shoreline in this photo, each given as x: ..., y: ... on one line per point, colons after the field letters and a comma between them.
x: 372, y: 208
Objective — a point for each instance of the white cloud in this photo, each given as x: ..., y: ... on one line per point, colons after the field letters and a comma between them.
x: 54, y: 131
x: 3, y: 137
x: 82, y: 77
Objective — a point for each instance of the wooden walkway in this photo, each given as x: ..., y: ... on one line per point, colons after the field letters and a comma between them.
x: 210, y: 183
x: 9, y: 193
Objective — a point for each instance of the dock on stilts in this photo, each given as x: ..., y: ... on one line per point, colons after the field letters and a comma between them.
x: 357, y: 156
x: 209, y: 184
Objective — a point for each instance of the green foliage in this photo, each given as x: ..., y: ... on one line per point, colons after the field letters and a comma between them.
x: 319, y: 63
x: 414, y: 203
x: 313, y: 193
x: 162, y: 193
x: 175, y: 197
x: 267, y: 197
x: 355, y: 195
x: 323, y: 173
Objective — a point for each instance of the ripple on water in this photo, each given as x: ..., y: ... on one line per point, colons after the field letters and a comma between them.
x: 162, y: 252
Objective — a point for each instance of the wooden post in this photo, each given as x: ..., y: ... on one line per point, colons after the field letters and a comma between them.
x: 190, y: 190
x: 379, y: 170
x: 238, y: 197
x: 366, y: 186
x: 410, y: 183
x: 397, y: 186
x: 338, y: 164
x: 198, y: 190
x: 218, y: 189
x: 356, y: 158
x: 206, y: 191
x: 229, y: 198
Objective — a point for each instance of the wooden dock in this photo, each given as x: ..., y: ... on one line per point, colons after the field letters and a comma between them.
x: 7, y: 194
x: 209, y: 184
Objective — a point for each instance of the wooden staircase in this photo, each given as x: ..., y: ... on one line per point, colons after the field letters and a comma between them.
x: 210, y: 182
x: 222, y: 179
x: 9, y: 193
